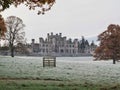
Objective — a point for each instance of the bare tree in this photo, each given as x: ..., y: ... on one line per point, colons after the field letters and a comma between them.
x: 15, y: 33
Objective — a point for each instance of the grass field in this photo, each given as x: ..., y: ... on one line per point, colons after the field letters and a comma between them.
x: 77, y: 73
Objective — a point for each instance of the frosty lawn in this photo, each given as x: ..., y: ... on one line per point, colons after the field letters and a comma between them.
x: 71, y: 69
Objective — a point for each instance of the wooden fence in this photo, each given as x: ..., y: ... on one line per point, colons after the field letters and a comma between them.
x: 49, y: 61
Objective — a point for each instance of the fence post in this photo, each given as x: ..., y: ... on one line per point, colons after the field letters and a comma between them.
x: 43, y: 61
x: 54, y: 61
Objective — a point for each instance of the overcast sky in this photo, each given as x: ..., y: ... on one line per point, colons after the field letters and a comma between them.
x: 73, y: 18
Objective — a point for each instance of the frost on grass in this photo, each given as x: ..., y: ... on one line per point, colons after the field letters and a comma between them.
x: 76, y: 69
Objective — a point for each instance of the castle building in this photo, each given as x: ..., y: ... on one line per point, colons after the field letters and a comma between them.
x: 57, y: 45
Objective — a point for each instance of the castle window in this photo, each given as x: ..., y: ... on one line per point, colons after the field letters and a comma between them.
x: 61, y: 50
x: 73, y: 51
x: 39, y: 50
x: 43, y: 50
x: 43, y: 45
x: 47, y: 50
x: 66, y: 50
x: 69, y: 45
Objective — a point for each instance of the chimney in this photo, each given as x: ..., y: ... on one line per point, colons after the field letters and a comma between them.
x: 51, y: 33
x: 48, y: 35
x: 41, y: 39
x: 60, y: 34
x: 33, y: 41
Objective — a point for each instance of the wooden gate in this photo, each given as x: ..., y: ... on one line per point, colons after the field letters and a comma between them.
x: 49, y: 61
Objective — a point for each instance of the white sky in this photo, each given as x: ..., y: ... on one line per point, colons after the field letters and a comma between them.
x: 73, y: 18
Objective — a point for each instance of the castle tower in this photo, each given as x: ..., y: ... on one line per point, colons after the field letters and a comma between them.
x: 32, y: 44
x: 33, y: 41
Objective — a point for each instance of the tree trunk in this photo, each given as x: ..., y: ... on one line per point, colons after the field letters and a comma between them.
x: 114, y: 61
x: 12, y: 51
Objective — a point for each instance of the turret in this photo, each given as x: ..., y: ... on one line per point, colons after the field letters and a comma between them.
x: 48, y: 35
x: 41, y: 40
x: 92, y: 44
x: 33, y: 41
x: 64, y: 38
x: 32, y: 44
x: 60, y: 34
x: 51, y: 33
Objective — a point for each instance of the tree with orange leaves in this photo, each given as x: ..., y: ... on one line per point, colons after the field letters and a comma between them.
x: 109, y: 47
x: 2, y: 28
x: 41, y: 5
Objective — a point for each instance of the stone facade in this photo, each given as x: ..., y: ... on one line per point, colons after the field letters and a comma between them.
x: 57, y: 45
